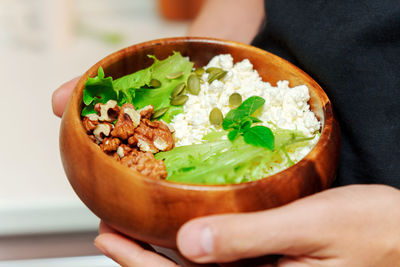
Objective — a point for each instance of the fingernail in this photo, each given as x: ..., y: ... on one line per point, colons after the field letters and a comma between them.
x: 207, y: 241
x: 196, y: 241
x: 99, y: 245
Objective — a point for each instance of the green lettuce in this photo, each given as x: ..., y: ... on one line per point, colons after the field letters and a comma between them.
x: 219, y: 161
x: 160, y: 97
x: 134, y: 88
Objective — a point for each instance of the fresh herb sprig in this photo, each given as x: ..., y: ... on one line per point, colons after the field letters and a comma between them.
x: 239, y: 121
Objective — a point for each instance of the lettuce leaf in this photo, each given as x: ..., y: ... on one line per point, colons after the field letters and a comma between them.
x: 160, y: 97
x: 126, y: 85
x: 97, y: 90
x: 134, y: 88
x: 219, y: 161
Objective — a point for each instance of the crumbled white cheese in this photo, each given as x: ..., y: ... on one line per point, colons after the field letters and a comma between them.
x: 284, y: 107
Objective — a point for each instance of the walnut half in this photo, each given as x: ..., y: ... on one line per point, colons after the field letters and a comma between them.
x: 154, y: 136
x: 108, y: 111
x: 128, y: 120
x: 102, y: 130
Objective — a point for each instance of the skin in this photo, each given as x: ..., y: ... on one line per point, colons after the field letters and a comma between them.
x: 222, y: 19
x: 357, y: 225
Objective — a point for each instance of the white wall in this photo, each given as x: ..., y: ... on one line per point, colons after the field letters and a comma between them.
x: 42, y: 44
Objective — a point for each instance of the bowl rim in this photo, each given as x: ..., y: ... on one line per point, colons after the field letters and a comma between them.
x: 76, y: 99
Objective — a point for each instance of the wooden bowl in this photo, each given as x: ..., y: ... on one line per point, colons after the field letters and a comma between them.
x: 153, y: 210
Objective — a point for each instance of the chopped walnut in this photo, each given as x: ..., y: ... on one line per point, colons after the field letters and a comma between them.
x: 102, y: 130
x: 154, y: 136
x: 146, y: 164
x: 146, y: 146
x: 132, y: 141
x: 123, y: 150
x: 108, y: 111
x: 146, y: 112
x: 110, y: 144
x: 170, y: 127
x: 128, y: 120
x: 90, y: 122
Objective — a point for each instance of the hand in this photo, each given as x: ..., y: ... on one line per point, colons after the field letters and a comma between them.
x: 354, y: 226
x: 127, y: 252
x: 61, y: 95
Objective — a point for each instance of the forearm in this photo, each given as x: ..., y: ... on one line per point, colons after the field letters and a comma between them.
x: 237, y: 20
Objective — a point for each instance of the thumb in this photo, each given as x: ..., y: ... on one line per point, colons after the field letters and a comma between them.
x: 291, y: 230
x: 61, y: 95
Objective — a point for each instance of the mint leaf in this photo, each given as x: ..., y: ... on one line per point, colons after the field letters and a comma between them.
x: 245, y: 124
x: 233, y: 118
x: 236, y: 117
x: 251, y: 104
x: 255, y: 120
x: 233, y: 134
x: 259, y: 136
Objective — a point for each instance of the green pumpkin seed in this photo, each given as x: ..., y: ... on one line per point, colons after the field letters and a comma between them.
x: 193, y: 84
x: 155, y: 83
x: 199, y: 71
x: 178, y: 89
x: 212, y: 69
x: 179, y: 100
x: 159, y: 112
x: 216, y: 117
x: 235, y: 100
x: 174, y: 75
x: 216, y: 75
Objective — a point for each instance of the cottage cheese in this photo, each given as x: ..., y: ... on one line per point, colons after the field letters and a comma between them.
x: 284, y: 107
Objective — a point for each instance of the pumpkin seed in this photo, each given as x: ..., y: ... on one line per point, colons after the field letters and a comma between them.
x: 183, y: 91
x: 211, y: 69
x: 179, y: 100
x: 216, y: 117
x: 159, y: 112
x: 216, y: 75
x: 199, y: 71
x: 235, y: 100
x: 155, y: 83
x: 178, y: 89
x: 193, y: 84
x: 174, y: 75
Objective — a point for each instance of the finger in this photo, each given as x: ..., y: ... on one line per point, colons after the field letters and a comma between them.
x: 294, y: 262
x: 294, y: 229
x: 105, y: 228
x: 126, y: 252
x: 60, y: 96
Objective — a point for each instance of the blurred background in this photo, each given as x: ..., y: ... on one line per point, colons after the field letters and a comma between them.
x: 44, y: 43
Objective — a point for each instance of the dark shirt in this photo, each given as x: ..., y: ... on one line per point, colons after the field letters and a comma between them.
x: 352, y: 49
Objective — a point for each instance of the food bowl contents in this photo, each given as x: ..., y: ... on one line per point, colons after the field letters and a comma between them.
x: 217, y: 124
